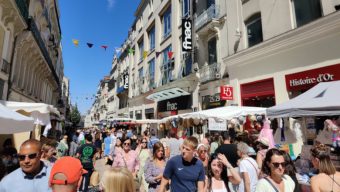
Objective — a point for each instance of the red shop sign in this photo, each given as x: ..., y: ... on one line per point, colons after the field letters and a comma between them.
x: 226, y: 93
x: 307, y: 79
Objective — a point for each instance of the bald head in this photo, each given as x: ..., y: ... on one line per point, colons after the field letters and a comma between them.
x: 32, y: 142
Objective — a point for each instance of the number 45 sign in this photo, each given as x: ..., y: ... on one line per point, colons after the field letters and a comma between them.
x: 226, y: 93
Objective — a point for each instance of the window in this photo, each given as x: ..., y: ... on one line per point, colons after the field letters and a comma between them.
x: 185, y: 8
x: 151, y: 73
x: 306, y: 11
x: 167, y: 23
x: 140, y: 73
x: 254, y: 30
x: 152, y: 38
x: 141, y: 50
x: 166, y: 66
x: 212, y: 51
x: 2, y: 86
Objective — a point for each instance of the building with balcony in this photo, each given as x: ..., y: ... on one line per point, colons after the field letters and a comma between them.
x: 160, y: 71
x: 276, y: 50
x: 31, y: 63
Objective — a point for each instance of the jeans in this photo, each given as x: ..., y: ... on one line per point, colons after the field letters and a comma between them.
x: 86, y: 180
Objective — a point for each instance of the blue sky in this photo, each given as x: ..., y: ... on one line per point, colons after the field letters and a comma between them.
x: 101, y: 22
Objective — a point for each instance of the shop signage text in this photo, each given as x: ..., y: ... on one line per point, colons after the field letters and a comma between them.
x: 175, y: 104
x: 212, y: 101
x: 186, y: 35
x: 126, y: 81
x: 226, y: 93
x: 307, y: 79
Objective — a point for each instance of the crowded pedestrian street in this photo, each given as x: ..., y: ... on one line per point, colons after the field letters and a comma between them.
x: 170, y: 95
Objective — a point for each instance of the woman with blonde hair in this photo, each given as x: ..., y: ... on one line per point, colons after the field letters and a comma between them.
x: 118, y: 180
x: 328, y: 178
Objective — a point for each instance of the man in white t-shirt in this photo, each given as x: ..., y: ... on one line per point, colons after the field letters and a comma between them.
x: 248, y: 169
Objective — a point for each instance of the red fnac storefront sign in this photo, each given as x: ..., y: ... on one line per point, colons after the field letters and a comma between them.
x: 226, y: 93
x: 307, y: 79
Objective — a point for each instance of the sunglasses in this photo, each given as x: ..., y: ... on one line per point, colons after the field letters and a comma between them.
x: 144, y: 142
x: 30, y: 156
x: 277, y: 165
x: 203, y: 151
x: 127, y: 144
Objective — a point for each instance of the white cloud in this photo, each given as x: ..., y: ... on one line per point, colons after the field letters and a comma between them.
x: 111, y: 3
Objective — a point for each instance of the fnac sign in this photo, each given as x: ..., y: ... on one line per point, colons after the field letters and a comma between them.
x: 226, y: 93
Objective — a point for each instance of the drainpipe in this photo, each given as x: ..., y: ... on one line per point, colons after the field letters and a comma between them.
x: 11, y: 63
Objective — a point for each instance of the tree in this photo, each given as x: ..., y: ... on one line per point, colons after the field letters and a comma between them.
x: 75, y: 116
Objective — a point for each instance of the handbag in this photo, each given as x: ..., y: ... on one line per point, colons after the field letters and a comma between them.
x: 94, y: 179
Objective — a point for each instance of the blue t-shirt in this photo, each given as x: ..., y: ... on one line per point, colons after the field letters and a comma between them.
x: 184, y: 175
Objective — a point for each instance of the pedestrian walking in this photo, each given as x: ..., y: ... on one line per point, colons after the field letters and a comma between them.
x: 185, y: 171
x: 86, y: 154
x: 274, y: 166
x: 66, y: 175
x: 62, y: 148
x: 33, y: 174
x: 154, y: 167
x: 118, y: 179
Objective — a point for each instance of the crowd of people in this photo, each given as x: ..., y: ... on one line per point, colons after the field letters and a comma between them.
x: 216, y: 163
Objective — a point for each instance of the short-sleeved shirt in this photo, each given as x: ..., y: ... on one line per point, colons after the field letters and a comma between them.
x: 18, y: 181
x: 87, y: 152
x: 264, y: 186
x: 250, y: 166
x: 174, y: 145
x: 184, y: 175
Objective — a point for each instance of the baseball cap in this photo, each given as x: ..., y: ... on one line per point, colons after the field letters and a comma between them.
x: 70, y: 167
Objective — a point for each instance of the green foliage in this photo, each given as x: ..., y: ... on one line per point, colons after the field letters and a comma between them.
x: 75, y: 116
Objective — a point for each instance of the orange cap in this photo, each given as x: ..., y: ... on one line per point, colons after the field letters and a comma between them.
x: 70, y: 167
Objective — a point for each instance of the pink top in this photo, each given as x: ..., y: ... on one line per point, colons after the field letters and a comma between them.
x: 129, y: 160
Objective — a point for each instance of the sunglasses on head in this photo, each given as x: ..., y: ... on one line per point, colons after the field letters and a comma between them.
x: 276, y: 165
x: 30, y: 156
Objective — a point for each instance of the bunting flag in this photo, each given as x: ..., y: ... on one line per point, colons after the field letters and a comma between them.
x: 75, y: 42
x: 131, y: 51
x: 145, y: 54
x: 158, y: 53
x: 170, y: 53
x: 104, y: 46
x: 89, y: 45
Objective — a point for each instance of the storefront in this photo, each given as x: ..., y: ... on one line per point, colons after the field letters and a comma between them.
x: 300, y: 82
x: 174, y: 106
x: 212, y: 101
x: 258, y: 93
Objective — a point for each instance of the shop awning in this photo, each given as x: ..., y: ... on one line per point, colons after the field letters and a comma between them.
x: 167, y: 94
x: 147, y: 121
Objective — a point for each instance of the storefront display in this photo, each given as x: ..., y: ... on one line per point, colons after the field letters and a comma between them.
x: 259, y: 93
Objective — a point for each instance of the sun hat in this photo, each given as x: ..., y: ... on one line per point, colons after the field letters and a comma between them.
x: 70, y: 167
x: 263, y: 141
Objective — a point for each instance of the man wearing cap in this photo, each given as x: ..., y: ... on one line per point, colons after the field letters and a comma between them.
x: 66, y: 175
x: 32, y: 176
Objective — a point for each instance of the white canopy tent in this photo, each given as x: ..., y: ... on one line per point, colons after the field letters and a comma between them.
x: 321, y: 100
x: 12, y: 122
x: 40, y: 112
x: 225, y: 113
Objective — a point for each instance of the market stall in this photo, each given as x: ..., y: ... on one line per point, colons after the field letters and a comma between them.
x: 12, y: 122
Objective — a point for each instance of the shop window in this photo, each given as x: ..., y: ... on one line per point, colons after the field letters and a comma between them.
x: 254, y: 30
x: 185, y: 8
x: 212, y: 51
x: 166, y: 21
x: 306, y: 11
x: 166, y: 66
x: 152, y: 38
x: 152, y: 73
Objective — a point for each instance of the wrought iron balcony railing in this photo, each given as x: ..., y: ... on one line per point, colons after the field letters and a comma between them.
x: 208, y: 15
x: 210, y: 72
x: 23, y: 8
x: 37, y: 36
